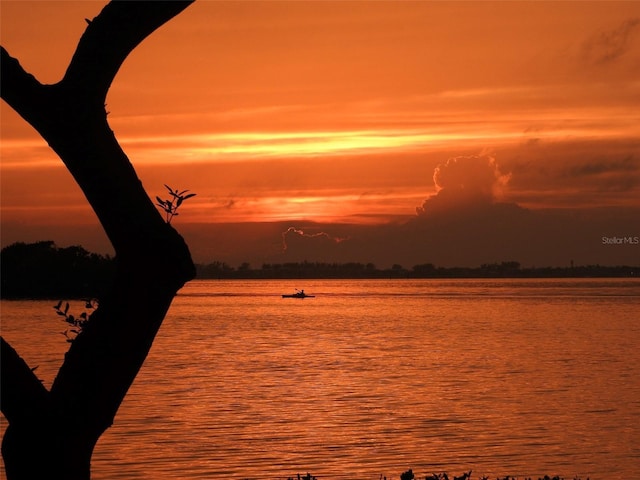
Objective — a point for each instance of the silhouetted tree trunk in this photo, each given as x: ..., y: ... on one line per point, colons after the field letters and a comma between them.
x: 52, y: 433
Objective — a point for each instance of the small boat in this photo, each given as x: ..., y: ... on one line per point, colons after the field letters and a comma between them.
x: 298, y: 294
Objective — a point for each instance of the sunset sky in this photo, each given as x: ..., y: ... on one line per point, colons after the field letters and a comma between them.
x: 453, y: 133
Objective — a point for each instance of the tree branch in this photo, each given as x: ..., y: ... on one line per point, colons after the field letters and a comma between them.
x: 70, y: 116
x: 22, y: 395
x: 153, y: 261
x: 103, y: 48
x: 19, y: 89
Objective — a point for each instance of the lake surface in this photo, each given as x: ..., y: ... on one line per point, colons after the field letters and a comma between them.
x: 372, y: 377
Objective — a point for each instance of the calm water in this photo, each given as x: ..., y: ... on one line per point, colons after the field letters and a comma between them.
x: 514, y: 377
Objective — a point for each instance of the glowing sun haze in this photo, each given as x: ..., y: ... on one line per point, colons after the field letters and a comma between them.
x: 360, y: 113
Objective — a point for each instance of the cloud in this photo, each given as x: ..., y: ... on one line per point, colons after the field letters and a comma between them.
x: 608, y: 46
x: 574, y: 173
x: 464, y: 182
x: 319, y: 239
x: 625, y: 166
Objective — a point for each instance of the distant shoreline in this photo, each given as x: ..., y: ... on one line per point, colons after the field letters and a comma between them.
x: 355, y: 271
x: 44, y: 271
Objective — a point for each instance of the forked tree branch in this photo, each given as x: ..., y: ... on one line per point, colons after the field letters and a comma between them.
x: 22, y: 395
x: 153, y: 261
x: 71, y: 117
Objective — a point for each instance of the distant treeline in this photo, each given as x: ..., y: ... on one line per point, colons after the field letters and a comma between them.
x: 360, y: 270
x: 43, y: 270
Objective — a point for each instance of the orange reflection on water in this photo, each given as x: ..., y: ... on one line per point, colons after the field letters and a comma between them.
x: 508, y: 377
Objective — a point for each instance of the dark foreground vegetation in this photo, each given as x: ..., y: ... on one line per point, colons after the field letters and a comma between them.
x: 409, y: 475
x: 43, y: 270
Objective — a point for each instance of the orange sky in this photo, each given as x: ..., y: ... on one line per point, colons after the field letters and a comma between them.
x: 342, y: 111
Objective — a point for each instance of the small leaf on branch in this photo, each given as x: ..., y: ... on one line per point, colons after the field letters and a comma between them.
x: 170, y: 207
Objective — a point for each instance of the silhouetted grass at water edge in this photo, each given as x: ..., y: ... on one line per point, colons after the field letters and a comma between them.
x: 409, y: 475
